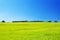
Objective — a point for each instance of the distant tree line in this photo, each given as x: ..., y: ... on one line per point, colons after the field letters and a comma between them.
x: 32, y: 21
x: 19, y: 21
x: 35, y: 21
x: 27, y: 21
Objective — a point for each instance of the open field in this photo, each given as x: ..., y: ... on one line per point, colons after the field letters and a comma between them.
x: 30, y: 31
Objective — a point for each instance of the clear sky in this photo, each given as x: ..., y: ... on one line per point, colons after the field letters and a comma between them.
x: 29, y: 10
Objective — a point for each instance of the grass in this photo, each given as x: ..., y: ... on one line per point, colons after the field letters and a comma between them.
x: 30, y: 31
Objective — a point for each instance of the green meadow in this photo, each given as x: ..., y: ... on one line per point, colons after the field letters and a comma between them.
x: 30, y: 31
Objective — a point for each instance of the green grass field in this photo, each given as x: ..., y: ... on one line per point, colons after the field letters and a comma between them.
x: 30, y: 31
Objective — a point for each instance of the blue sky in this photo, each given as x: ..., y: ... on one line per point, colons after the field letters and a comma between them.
x: 29, y: 10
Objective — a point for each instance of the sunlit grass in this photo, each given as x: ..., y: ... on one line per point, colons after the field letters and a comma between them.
x: 30, y: 31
